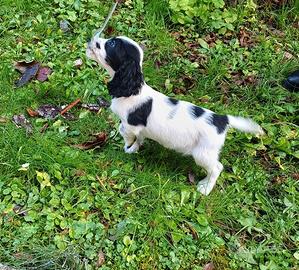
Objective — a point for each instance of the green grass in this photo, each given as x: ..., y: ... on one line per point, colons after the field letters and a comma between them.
x: 139, y: 210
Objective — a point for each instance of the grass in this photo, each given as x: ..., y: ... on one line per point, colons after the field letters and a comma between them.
x: 140, y: 211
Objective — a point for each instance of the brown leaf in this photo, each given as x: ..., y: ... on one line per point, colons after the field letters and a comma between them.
x: 101, y: 259
x: 245, y: 38
x: 29, y: 72
x: 21, y: 66
x: 32, y: 113
x: 295, y: 176
x: 48, y: 111
x: 3, y: 119
x: 110, y: 30
x: 100, y: 140
x: 103, y: 102
x: 21, y: 122
x: 69, y: 116
x: 184, y: 84
x: 43, y: 74
x: 209, y: 266
x: 80, y: 173
x: 91, y: 107
x: 211, y: 39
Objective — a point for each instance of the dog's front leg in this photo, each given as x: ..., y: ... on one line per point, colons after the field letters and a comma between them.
x: 132, y: 140
x: 136, y: 145
x: 128, y: 136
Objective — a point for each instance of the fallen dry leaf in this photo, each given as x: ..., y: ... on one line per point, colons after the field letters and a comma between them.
x: 48, y: 111
x: 209, y: 266
x: 101, y: 259
x: 3, y: 119
x: 100, y: 140
x: 109, y: 31
x: 245, y: 38
x: 103, y: 102
x: 69, y: 116
x: 184, y: 84
x: 21, y: 66
x: 28, y: 70
x: 295, y: 176
x: 32, y: 113
x: 238, y: 78
x: 21, y: 122
x: 43, y: 74
x: 91, y: 107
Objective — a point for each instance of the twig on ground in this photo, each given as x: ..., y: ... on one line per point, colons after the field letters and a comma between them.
x: 68, y: 107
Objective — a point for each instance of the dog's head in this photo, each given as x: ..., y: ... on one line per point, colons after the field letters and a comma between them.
x: 122, y: 58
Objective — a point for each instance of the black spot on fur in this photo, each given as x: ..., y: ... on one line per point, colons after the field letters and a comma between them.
x: 220, y: 122
x: 140, y: 115
x: 124, y: 59
x: 196, y: 111
x: 173, y: 101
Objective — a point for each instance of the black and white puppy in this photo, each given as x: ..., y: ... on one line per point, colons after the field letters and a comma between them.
x: 146, y: 113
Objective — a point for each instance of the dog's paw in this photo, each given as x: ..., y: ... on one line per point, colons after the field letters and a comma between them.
x: 131, y: 149
x: 204, y: 187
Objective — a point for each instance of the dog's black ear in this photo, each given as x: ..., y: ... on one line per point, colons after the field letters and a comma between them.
x: 127, y: 80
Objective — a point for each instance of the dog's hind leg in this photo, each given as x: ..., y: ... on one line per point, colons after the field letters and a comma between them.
x: 207, y: 158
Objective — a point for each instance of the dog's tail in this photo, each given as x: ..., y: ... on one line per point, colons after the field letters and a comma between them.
x: 245, y: 124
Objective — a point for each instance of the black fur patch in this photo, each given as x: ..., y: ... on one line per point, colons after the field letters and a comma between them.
x: 173, y: 101
x: 220, y: 122
x: 196, y: 111
x: 140, y: 115
x: 124, y: 59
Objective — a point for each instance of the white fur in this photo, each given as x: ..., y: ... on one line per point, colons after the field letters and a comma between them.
x: 173, y: 126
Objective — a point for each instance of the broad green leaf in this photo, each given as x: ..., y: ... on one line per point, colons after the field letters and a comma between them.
x: 127, y: 240
x: 43, y: 178
x: 202, y: 220
x: 203, y: 43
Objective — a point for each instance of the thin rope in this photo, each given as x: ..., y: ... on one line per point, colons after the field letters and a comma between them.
x: 99, y: 31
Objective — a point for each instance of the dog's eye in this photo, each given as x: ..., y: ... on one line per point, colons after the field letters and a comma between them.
x: 111, y: 43
x: 98, y: 45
